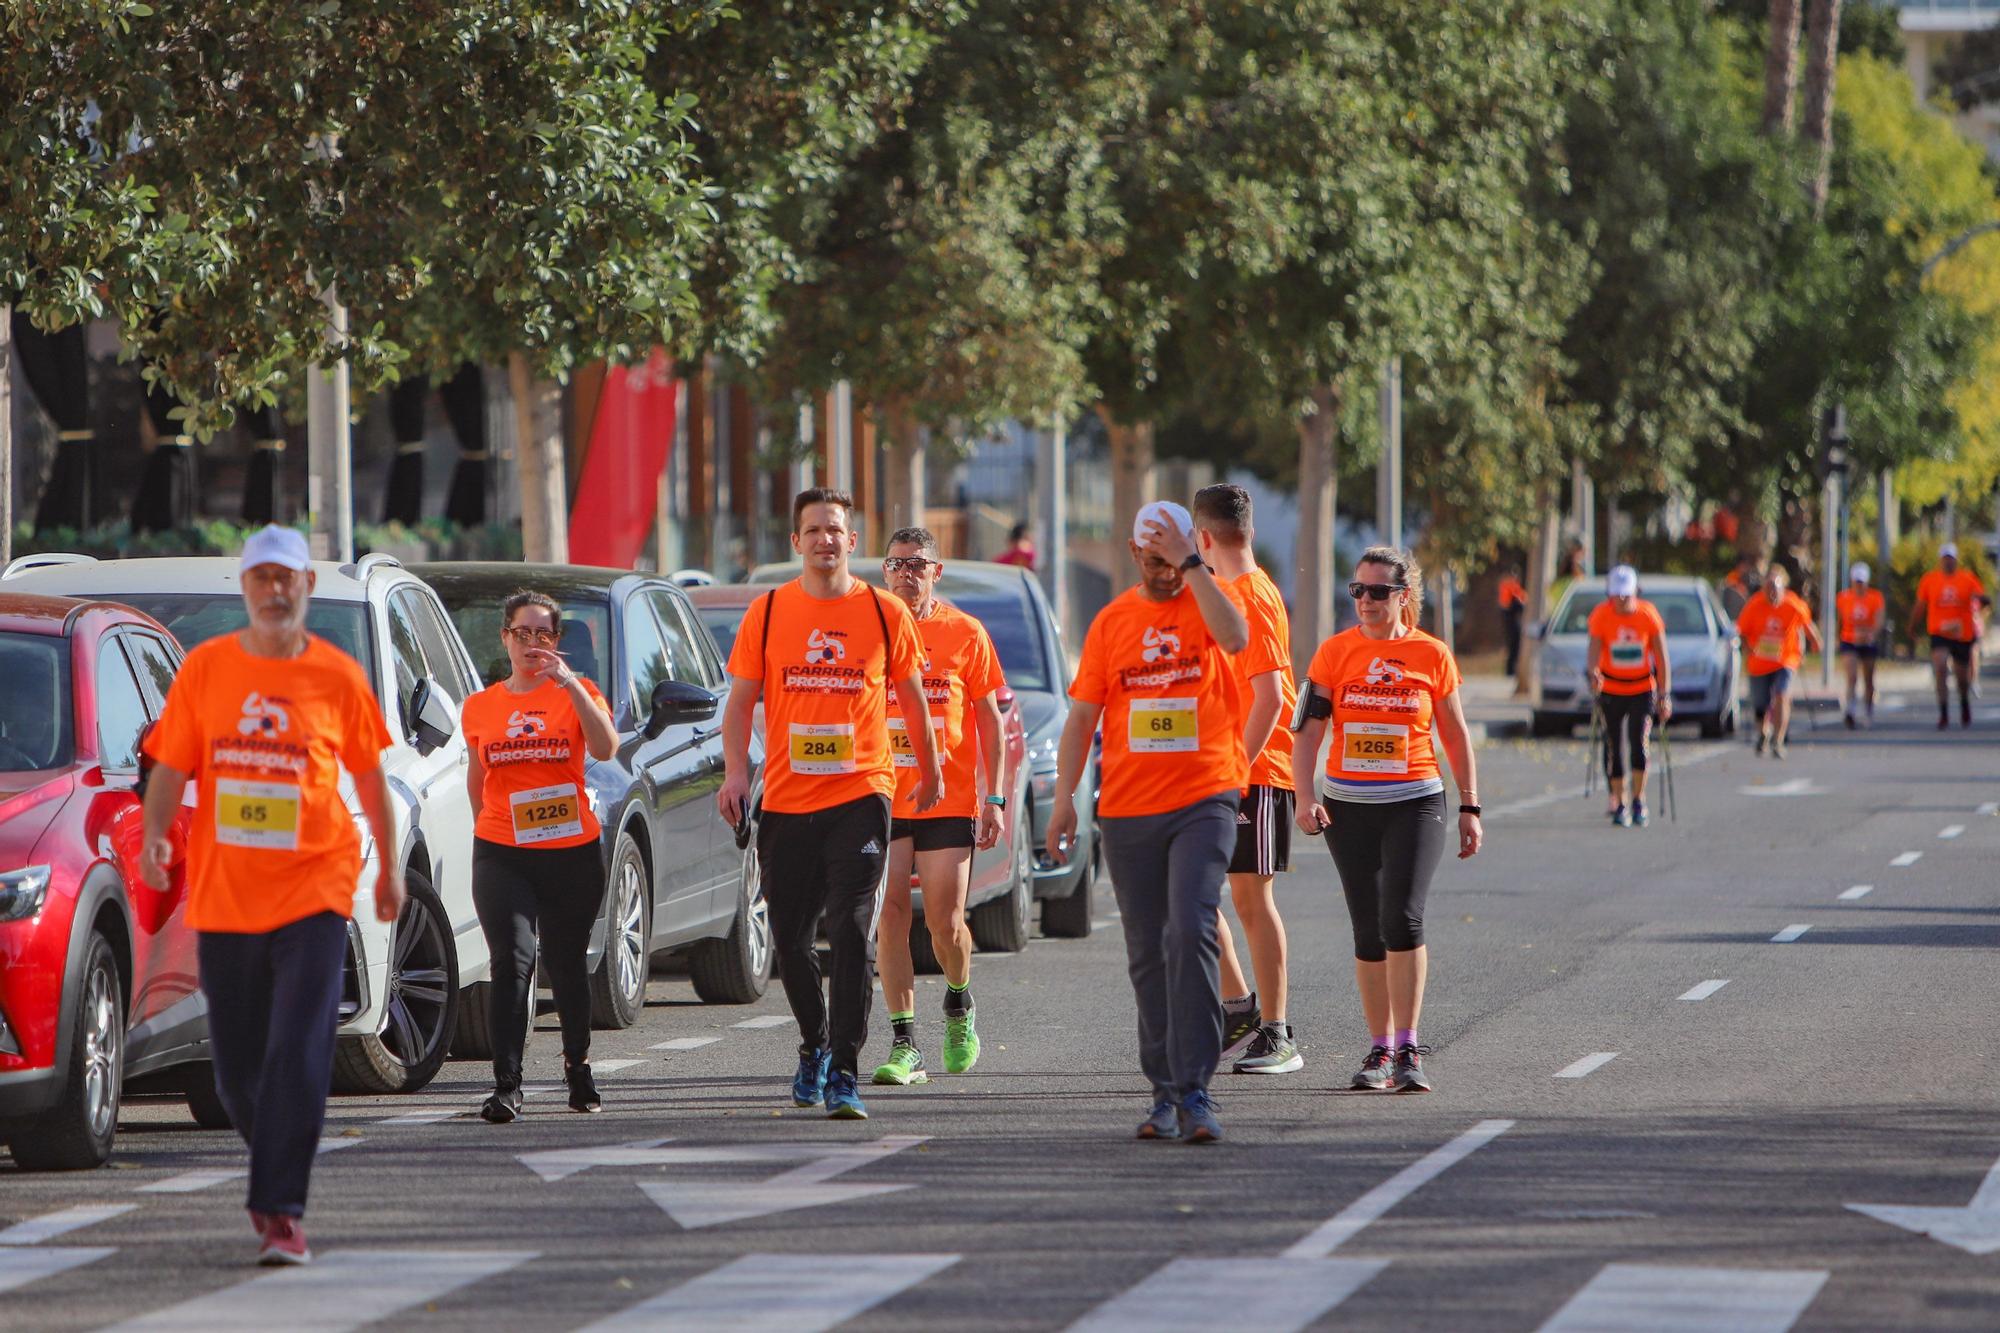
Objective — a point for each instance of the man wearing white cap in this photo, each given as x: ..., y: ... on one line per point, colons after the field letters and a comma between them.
x: 1155, y: 670
x: 1632, y: 679
x: 1950, y: 606
x: 263, y: 721
x: 1862, y: 612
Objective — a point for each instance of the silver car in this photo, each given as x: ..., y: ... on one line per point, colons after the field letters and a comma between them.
x: 1702, y: 647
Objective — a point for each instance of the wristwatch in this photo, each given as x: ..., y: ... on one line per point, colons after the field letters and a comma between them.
x: 1192, y: 562
x: 1000, y: 801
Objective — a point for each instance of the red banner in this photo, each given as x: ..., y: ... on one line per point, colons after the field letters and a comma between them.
x: 631, y: 437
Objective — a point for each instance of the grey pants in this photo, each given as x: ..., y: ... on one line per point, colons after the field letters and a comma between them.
x: 1167, y: 872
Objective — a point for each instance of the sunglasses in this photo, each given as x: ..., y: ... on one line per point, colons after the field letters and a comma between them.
x: 526, y: 634
x: 907, y: 564
x: 1376, y: 592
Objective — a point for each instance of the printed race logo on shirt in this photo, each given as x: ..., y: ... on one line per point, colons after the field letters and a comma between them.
x: 1159, y: 644
x: 1628, y: 650
x: 1164, y: 662
x: 825, y: 670
x: 263, y: 717
x: 521, y: 724
x: 824, y: 649
x: 528, y: 742
x: 1381, y: 689
x: 262, y: 814
x: 1384, y: 673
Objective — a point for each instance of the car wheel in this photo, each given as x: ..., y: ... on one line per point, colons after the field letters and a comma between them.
x: 736, y: 969
x: 473, y: 1038
x: 1712, y: 725
x: 78, y: 1132
x: 1002, y: 925
x: 204, y: 1102
x: 421, y: 1008
x: 1069, y: 917
x: 923, y: 954
x: 1545, y: 724
x: 618, y: 986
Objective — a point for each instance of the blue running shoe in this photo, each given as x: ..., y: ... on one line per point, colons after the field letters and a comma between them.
x: 1163, y: 1123
x: 1198, y: 1122
x: 809, y: 1084
x: 842, y: 1102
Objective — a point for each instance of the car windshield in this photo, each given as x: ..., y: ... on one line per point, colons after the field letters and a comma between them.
x: 34, y: 708
x: 586, y: 631
x: 1005, y: 617
x: 1681, y: 611
x: 722, y: 622
x: 195, y: 618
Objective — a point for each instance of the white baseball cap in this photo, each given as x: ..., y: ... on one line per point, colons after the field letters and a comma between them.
x: 1622, y: 581
x: 1949, y: 551
x: 1162, y: 512
x: 1859, y: 573
x: 273, y: 545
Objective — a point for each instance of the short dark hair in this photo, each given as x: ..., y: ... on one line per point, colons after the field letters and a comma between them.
x: 1223, y: 511
x: 819, y: 495
x: 1018, y: 531
x: 523, y: 597
x: 921, y: 538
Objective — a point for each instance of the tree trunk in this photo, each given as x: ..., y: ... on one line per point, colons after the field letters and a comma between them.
x: 1822, y: 64
x: 539, y: 460
x: 1541, y: 573
x: 1313, y: 557
x: 903, y: 478
x: 1131, y: 489
x: 1781, y: 67
x: 6, y: 434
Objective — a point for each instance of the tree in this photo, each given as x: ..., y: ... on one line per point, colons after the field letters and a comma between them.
x: 1781, y: 67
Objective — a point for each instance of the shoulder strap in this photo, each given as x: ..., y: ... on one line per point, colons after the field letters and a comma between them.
x: 764, y: 641
x: 888, y: 644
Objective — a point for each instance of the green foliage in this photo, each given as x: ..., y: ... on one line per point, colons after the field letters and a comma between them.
x: 438, y: 539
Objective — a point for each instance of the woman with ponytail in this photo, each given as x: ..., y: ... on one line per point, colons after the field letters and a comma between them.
x: 1381, y: 687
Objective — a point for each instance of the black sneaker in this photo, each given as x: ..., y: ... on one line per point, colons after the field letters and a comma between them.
x: 582, y: 1089
x: 1409, y: 1076
x: 1965, y: 712
x: 1373, y: 1076
x: 1762, y: 741
x: 503, y: 1107
x: 1271, y: 1051
x: 1239, y: 1030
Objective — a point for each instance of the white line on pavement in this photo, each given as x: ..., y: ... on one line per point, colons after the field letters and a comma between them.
x: 764, y: 1021
x: 1907, y: 859
x: 802, y: 1293
x: 1950, y: 831
x: 1699, y: 755
x: 418, y: 1118
x: 1689, y: 1300
x: 1331, y: 1234
x: 342, y: 1290
x: 19, y: 1267
x: 1274, y: 1295
x: 1704, y: 990
x: 613, y: 1066
x: 686, y: 1043
x: 1858, y: 891
x: 1588, y: 1065
x: 1789, y: 933
x: 50, y: 1225
x: 190, y: 1182
x: 1988, y: 808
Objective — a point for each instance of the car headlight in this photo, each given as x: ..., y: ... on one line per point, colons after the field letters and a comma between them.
x: 1557, y: 669
x: 22, y: 892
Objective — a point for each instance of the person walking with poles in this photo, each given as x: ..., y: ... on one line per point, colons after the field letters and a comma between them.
x: 1633, y: 681
x: 263, y: 721
x: 1949, y: 603
x: 822, y: 653
x: 1155, y: 671
x: 1773, y: 624
x: 1863, y: 613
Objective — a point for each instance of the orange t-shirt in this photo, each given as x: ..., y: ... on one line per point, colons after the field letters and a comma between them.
x: 1173, y: 718
x: 1269, y: 650
x: 1512, y: 594
x: 1626, y: 657
x: 1385, y: 694
x: 533, y: 748
x: 271, y: 841
x: 1861, y: 614
x: 960, y: 667
x: 1773, y: 635
x: 1950, y: 603
x: 826, y: 684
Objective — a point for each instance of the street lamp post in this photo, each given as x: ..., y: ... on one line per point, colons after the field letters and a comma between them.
x: 1833, y: 504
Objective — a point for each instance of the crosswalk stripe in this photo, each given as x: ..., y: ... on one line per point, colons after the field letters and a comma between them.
x: 1704, y: 990
x: 190, y: 1182
x: 1790, y: 933
x: 613, y: 1066
x: 798, y: 1293
x: 764, y: 1021
x: 339, y: 1291
x: 50, y: 1225
x: 1689, y: 1300
x: 1271, y: 1295
x: 419, y: 1118
x: 1907, y: 859
x: 1587, y: 1066
x: 19, y: 1267
x: 686, y: 1043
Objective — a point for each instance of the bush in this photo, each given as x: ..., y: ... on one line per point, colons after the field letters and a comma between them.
x: 433, y: 539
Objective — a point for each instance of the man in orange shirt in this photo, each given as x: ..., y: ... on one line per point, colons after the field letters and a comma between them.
x: 1862, y: 613
x: 1633, y: 681
x: 1772, y: 625
x: 961, y: 677
x: 1513, y: 607
x: 263, y: 721
x: 823, y: 652
x: 1257, y: 1040
x: 1950, y: 605
x: 1155, y: 671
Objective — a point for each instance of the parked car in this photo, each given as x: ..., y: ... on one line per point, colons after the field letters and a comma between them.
x: 1702, y: 648
x: 1009, y: 602
x: 676, y: 879
x: 401, y: 1000
x: 97, y: 971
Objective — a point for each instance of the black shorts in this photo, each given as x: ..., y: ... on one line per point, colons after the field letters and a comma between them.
x: 1263, y: 833
x: 936, y: 835
x: 1867, y: 652
x: 1960, y: 649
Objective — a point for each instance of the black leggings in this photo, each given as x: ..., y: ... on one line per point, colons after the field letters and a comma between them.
x: 518, y: 892
x: 1386, y: 855
x: 1628, y: 722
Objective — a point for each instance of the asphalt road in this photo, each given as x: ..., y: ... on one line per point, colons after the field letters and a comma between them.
x: 1604, y: 1149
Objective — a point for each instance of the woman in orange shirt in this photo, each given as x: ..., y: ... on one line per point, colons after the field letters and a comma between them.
x: 537, y: 868
x: 1381, y: 687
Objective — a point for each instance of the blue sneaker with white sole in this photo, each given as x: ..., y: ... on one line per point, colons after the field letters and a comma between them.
x: 809, y: 1084
x: 842, y: 1101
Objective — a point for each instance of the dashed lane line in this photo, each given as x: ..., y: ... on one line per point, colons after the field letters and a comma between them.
x: 420, y: 1118
x: 19, y: 1267
x: 191, y: 1182
x: 1988, y: 808
x: 1858, y: 891
x: 50, y: 1225
x: 1699, y: 755
x: 1950, y: 831
x: 1907, y: 859
x: 1588, y: 1065
x: 1337, y: 1230
x: 613, y: 1066
x: 685, y: 1043
x: 1789, y: 933
x: 764, y: 1021
x: 1704, y: 990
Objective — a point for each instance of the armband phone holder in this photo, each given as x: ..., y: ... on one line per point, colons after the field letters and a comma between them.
x: 1312, y: 704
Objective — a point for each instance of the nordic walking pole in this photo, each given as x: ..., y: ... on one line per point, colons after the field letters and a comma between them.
x: 1667, y: 756
x: 1590, y: 753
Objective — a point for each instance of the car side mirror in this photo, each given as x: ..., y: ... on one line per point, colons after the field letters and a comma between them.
x: 430, y: 716
x: 146, y: 762
x: 674, y: 702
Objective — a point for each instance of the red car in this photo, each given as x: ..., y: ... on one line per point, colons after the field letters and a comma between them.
x: 97, y: 971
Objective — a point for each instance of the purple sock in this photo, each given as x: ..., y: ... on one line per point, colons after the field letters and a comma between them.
x: 1383, y: 1042
x: 1405, y: 1037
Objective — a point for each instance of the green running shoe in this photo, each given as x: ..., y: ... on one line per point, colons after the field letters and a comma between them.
x: 961, y: 1043
x: 904, y: 1066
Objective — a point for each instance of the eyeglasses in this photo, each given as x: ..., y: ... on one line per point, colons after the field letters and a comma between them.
x: 1377, y: 592
x: 525, y: 634
x: 907, y: 564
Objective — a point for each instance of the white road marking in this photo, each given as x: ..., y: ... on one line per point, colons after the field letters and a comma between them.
x: 1704, y: 990
x: 419, y: 1118
x: 1789, y: 933
x: 764, y: 1021
x: 1789, y: 787
x: 1588, y: 1065
x: 613, y: 1066
x: 1689, y: 1300
x: 1700, y: 754
x: 339, y: 1291
x: 707, y: 1203
x: 1988, y: 808
x: 190, y: 1182
x: 1974, y: 1228
x: 1279, y: 1295
x: 1337, y: 1230
x: 686, y: 1043
x: 1858, y: 891
x: 1950, y: 831
x: 19, y: 1267
x: 50, y: 1225
x: 562, y: 1163
x: 1907, y: 859
x: 801, y: 1293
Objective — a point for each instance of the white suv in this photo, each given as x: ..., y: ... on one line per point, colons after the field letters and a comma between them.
x: 401, y: 1002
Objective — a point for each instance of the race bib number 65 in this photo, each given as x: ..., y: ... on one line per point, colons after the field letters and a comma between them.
x: 257, y: 814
